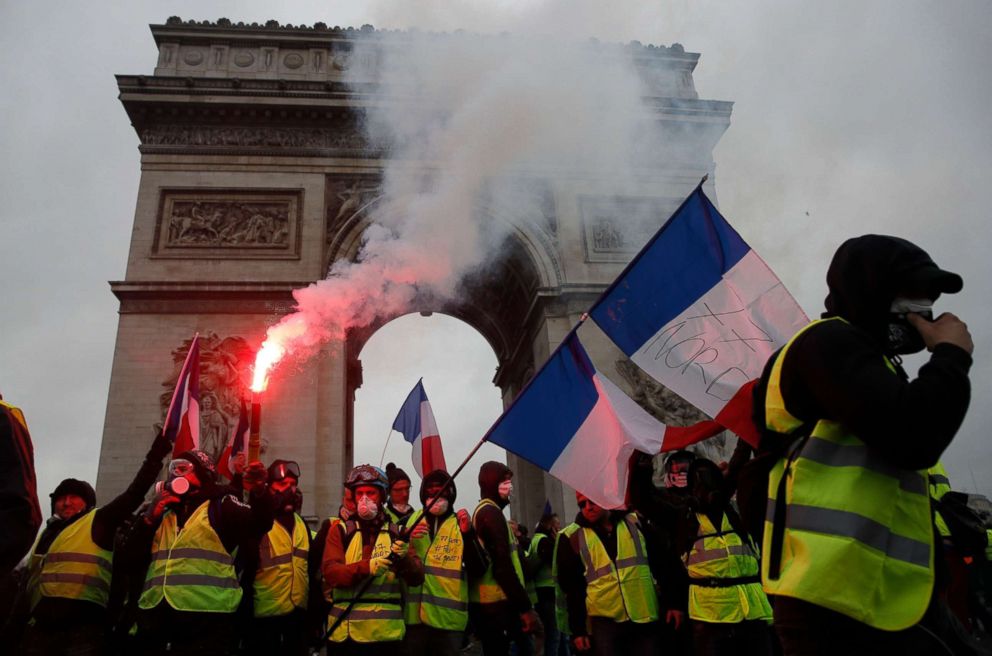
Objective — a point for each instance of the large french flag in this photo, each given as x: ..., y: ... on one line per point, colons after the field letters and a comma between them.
x: 182, y: 421
x: 700, y: 312
x: 236, y: 444
x: 574, y: 423
x: 416, y: 421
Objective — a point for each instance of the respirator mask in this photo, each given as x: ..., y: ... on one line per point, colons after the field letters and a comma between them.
x: 440, y: 507
x: 903, y: 338
x: 367, y: 508
x: 176, y: 484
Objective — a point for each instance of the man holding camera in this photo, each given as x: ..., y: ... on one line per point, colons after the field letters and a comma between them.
x: 848, y: 549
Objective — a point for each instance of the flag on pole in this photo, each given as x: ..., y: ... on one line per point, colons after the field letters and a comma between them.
x: 700, y: 312
x: 182, y: 421
x: 236, y: 444
x: 416, y: 421
x: 574, y: 423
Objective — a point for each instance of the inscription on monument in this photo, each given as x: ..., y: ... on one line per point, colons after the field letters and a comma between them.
x: 617, y: 227
x: 234, y: 223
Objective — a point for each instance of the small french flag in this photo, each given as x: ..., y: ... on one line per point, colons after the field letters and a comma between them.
x: 416, y: 421
x: 182, y: 421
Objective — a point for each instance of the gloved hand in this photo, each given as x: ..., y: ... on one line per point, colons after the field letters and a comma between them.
x: 464, y: 521
x: 378, y: 566
x: 531, y: 622
x: 161, y: 447
x: 400, y: 548
x: 255, y: 475
x: 160, y: 503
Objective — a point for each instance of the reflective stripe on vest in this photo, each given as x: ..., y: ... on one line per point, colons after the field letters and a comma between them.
x: 940, y: 485
x: 281, y: 581
x: 543, y: 578
x: 623, y: 590
x: 857, y: 533
x: 442, y: 601
x: 486, y: 590
x: 381, y: 618
x: 724, y: 554
x: 75, y: 567
x: 561, y: 605
x: 190, y: 567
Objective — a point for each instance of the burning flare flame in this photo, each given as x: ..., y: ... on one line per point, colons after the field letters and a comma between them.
x: 267, y: 357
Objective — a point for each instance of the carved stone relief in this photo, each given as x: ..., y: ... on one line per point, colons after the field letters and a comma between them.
x: 229, y: 222
x: 617, y: 227
x: 671, y: 409
x: 224, y: 375
x: 345, y: 138
x: 347, y: 199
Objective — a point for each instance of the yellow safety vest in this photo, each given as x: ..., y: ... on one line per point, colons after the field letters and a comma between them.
x: 724, y: 583
x: 190, y: 567
x: 442, y: 601
x: 857, y: 533
x: 622, y: 590
x: 486, y: 590
x: 378, y: 616
x: 543, y: 578
x: 281, y: 581
x: 561, y: 605
x: 75, y: 567
x: 940, y: 485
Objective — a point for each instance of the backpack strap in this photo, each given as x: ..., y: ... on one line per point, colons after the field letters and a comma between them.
x: 778, y: 518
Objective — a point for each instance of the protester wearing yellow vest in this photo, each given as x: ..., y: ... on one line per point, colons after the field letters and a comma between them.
x: 561, y: 606
x: 848, y: 546
x: 276, y: 573
x: 609, y: 570
x: 727, y: 607
x: 501, y: 611
x: 70, y: 566
x: 192, y: 530
x: 540, y: 553
x: 367, y: 620
x: 398, y: 507
x: 436, y: 612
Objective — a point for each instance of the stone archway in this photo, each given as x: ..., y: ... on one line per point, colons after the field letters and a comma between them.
x: 256, y: 176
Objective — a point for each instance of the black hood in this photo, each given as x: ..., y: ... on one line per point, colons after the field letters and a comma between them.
x: 491, y: 474
x: 867, y: 273
x: 438, y: 476
x: 81, y: 489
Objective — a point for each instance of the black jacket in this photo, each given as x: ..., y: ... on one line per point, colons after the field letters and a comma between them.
x: 490, y: 526
x: 836, y: 370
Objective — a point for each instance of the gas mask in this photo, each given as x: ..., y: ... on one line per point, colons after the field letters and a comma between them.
x: 903, y: 338
x: 177, y: 483
x: 367, y: 508
x: 505, y: 489
x: 440, y: 507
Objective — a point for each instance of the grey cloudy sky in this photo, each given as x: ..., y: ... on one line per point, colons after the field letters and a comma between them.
x: 849, y: 117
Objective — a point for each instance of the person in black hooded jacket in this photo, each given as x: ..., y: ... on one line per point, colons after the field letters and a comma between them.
x: 848, y: 372
x: 500, y: 609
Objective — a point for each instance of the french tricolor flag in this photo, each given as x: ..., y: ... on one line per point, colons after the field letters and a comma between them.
x: 416, y: 421
x: 575, y: 424
x: 182, y: 421
x: 700, y: 312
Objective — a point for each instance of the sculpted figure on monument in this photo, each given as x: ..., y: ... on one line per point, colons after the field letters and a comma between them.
x: 225, y: 223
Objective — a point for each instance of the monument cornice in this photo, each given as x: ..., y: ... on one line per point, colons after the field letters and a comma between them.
x: 200, y: 297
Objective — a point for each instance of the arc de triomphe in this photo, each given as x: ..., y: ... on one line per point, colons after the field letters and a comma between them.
x: 255, y: 177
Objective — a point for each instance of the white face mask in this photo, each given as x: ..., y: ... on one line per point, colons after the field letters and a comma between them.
x: 506, y: 489
x: 440, y: 507
x: 367, y: 508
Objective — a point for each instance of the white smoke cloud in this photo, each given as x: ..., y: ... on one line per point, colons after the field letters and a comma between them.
x: 465, y: 116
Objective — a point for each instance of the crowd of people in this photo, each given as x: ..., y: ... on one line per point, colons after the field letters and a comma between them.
x: 838, y: 534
